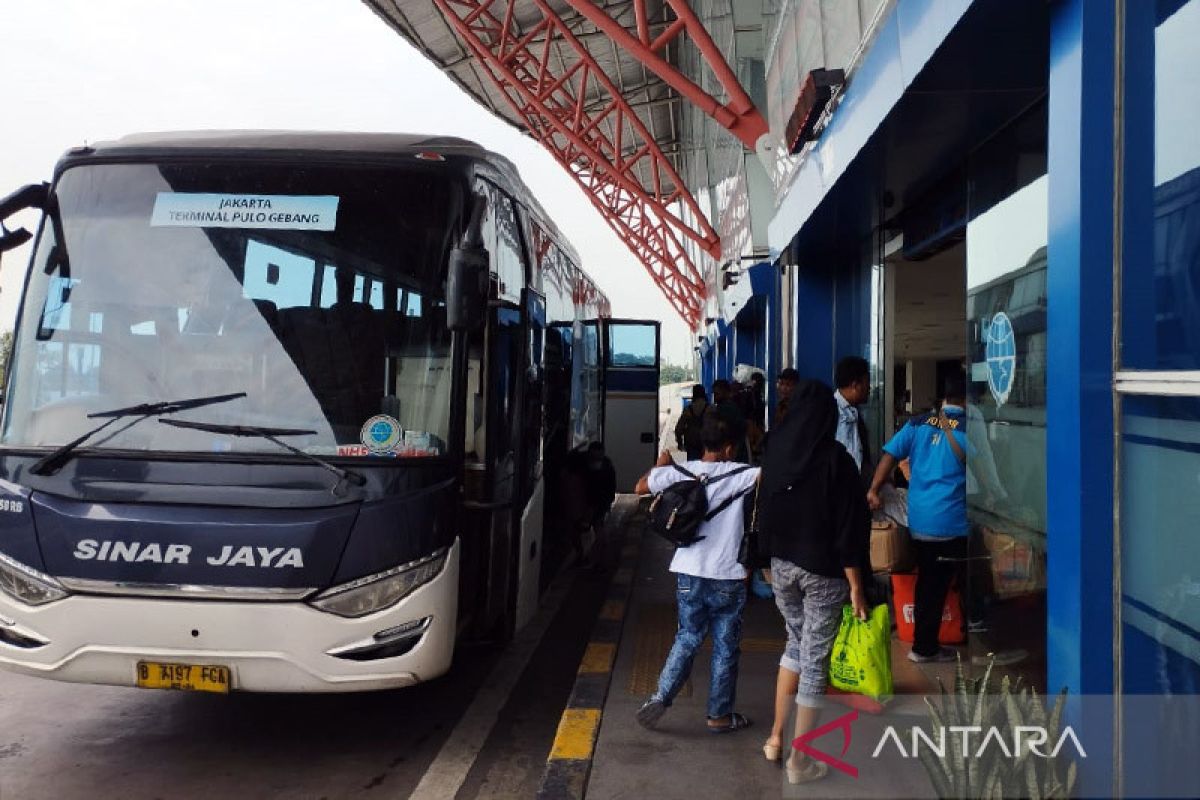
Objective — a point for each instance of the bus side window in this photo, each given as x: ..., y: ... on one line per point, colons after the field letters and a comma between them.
x: 502, y: 239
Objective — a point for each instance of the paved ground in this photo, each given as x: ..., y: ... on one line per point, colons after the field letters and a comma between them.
x: 681, y: 759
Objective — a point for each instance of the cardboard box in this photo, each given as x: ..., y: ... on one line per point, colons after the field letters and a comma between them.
x: 891, y: 547
x: 1018, y: 568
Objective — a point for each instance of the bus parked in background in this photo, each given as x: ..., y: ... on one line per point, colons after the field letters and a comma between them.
x: 282, y: 408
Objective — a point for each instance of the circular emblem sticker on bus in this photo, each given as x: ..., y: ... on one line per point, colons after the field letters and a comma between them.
x: 1001, y: 354
x: 381, y: 434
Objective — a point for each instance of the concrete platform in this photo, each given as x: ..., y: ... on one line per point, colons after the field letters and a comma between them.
x: 681, y: 759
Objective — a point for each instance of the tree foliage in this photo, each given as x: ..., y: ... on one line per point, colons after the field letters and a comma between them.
x: 674, y: 373
x: 6, y: 342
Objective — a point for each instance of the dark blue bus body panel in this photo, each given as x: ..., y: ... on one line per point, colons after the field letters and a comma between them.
x: 239, y: 525
x: 212, y: 536
x: 17, y: 537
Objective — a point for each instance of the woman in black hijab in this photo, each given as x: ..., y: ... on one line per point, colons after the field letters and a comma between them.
x: 815, y: 526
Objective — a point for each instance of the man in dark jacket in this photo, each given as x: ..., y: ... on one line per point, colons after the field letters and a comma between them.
x: 731, y: 413
x: 602, y: 483
x: 785, y: 384
x: 690, y: 424
x: 589, y: 486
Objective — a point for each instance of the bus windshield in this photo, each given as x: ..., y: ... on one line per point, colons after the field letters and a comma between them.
x: 314, y: 289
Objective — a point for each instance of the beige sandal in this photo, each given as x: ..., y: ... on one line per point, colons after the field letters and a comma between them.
x: 812, y: 771
x: 771, y: 751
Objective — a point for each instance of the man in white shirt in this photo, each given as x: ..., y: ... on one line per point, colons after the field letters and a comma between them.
x: 853, y: 379
x: 710, y: 583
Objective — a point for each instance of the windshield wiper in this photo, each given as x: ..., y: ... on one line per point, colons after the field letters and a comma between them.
x: 53, y: 462
x: 272, y: 435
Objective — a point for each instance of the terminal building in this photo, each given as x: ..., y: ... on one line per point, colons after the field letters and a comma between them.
x: 1006, y: 186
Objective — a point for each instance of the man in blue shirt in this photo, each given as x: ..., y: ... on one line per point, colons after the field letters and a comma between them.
x: 936, y: 446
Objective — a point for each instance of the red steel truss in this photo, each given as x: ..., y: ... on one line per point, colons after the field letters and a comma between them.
x: 739, y: 115
x: 571, y: 106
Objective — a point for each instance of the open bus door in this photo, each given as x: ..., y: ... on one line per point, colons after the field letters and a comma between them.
x: 630, y: 386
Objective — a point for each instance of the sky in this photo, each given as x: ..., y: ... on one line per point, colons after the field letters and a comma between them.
x: 79, y: 71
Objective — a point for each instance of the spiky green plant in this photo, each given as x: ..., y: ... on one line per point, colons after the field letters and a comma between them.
x: 991, y: 774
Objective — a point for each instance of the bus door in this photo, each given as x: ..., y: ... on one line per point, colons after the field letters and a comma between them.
x: 505, y: 500
x: 502, y: 434
x: 529, y: 510
x: 630, y: 386
x: 490, y: 470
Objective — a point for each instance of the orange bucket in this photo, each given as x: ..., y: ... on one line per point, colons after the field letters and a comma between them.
x: 904, y: 593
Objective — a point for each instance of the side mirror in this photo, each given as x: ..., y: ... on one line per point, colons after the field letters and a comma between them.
x: 467, y: 280
x: 32, y: 196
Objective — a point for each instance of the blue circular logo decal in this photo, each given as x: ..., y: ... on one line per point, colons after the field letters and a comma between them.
x: 381, y: 434
x: 1001, y: 354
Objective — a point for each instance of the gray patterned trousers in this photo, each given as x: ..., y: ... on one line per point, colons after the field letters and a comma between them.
x: 811, y: 606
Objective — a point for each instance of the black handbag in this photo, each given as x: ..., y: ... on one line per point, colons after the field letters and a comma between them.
x: 748, y: 553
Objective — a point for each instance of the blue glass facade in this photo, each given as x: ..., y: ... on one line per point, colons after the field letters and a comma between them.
x: 1052, y: 149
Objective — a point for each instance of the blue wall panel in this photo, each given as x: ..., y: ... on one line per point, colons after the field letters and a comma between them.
x: 853, y: 312
x: 1079, y: 434
x: 814, y: 323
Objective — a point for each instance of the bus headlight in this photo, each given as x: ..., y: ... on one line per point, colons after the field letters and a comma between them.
x: 27, y: 584
x: 372, y: 593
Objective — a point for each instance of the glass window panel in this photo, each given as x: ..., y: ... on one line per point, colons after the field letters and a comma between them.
x: 503, y: 243
x: 1161, y: 297
x: 1006, y: 262
x: 328, y: 286
x: 1160, y: 553
x: 282, y: 277
x: 153, y: 312
x: 1007, y: 236
x: 375, y: 297
x: 632, y: 345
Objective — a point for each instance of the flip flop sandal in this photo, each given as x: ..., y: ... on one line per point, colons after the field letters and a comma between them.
x: 737, y: 722
x: 650, y: 712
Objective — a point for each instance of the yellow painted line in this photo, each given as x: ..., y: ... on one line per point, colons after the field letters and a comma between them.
x: 629, y: 552
x: 576, y: 733
x: 623, y: 575
x: 598, y: 657
x: 613, y: 610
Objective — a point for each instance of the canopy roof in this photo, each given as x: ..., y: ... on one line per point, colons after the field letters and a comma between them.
x: 599, y: 84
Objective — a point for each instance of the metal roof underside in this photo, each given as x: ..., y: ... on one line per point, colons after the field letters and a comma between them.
x: 654, y: 102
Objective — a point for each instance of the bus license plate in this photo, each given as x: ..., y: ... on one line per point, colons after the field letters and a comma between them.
x: 188, y: 677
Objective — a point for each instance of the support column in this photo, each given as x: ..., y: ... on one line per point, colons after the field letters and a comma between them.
x: 1079, y: 432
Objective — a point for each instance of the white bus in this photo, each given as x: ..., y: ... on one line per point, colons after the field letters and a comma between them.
x: 282, y: 409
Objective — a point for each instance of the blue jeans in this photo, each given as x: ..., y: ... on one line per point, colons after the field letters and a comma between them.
x: 704, y: 604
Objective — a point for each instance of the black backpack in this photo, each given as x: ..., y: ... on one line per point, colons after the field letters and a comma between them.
x: 677, y: 512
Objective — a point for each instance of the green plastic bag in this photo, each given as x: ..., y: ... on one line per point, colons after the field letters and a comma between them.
x: 862, y: 654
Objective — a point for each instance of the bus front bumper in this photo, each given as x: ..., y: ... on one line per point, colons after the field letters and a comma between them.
x: 267, y: 646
